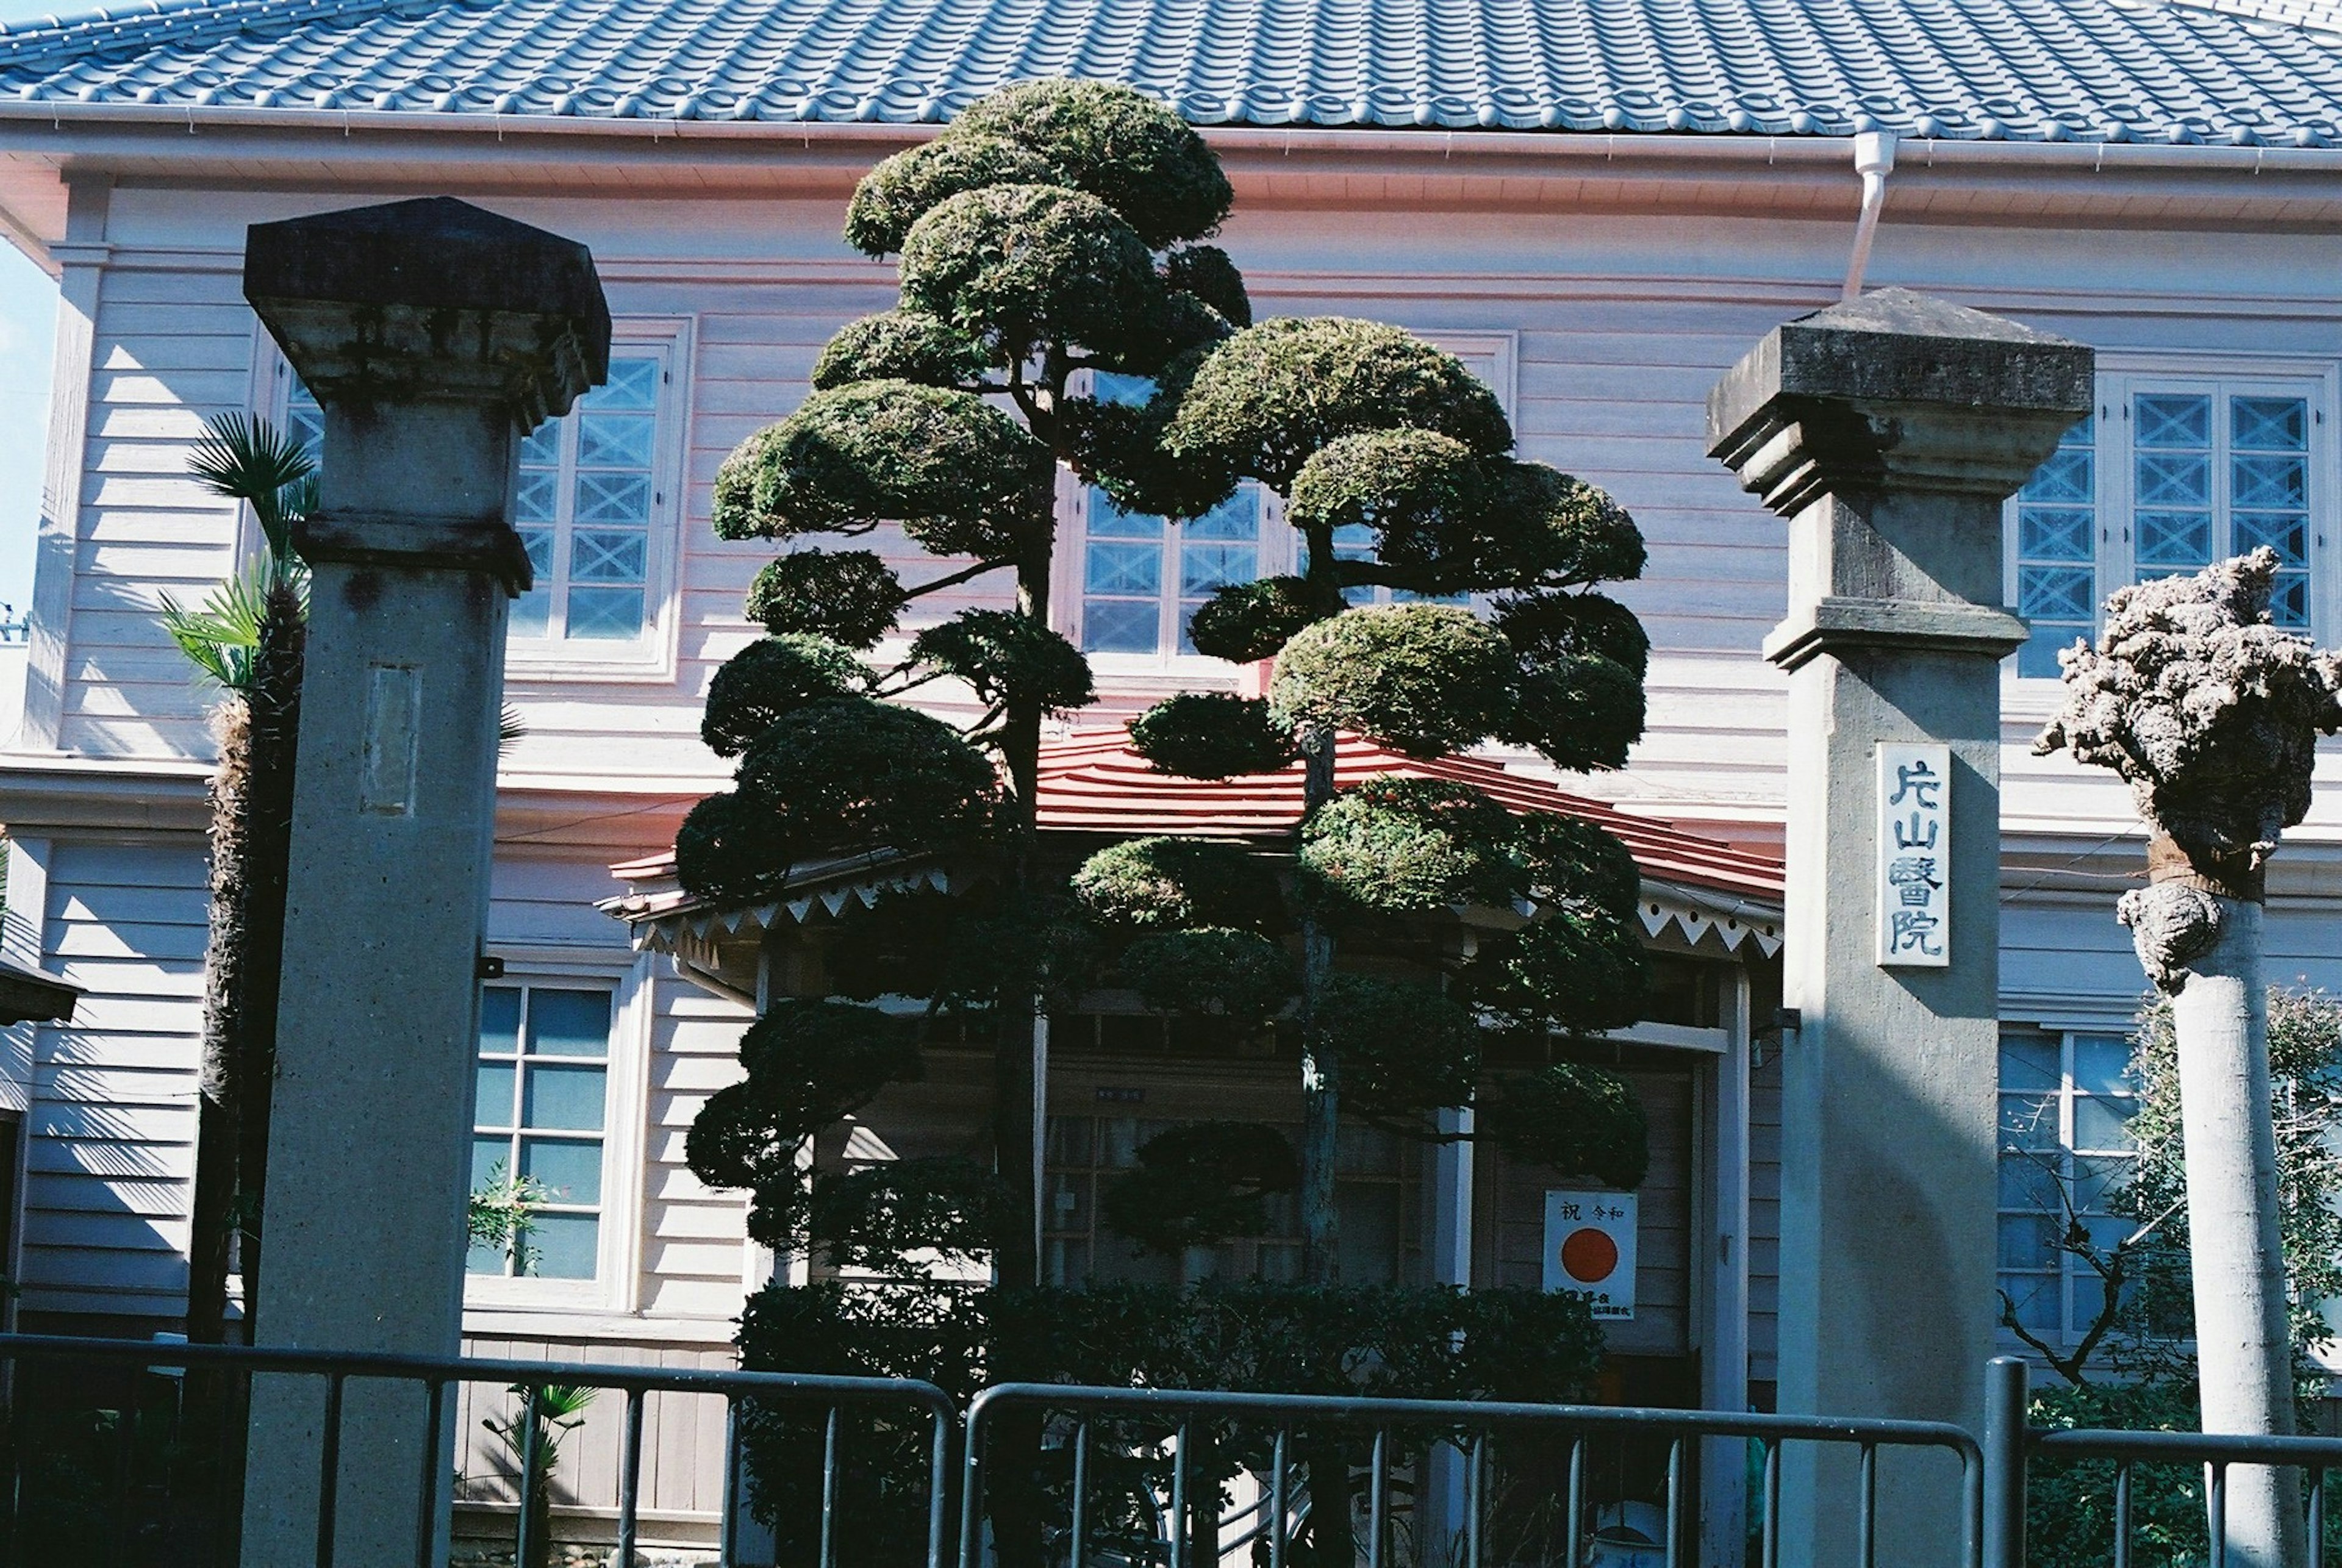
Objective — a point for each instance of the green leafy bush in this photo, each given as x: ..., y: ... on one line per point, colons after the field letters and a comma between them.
x: 1423, y: 679
x: 1211, y: 972
x: 770, y: 679
x: 1407, y: 1049
x: 808, y: 1063
x: 849, y: 774
x: 903, y: 188
x: 898, y: 345
x: 1403, y: 845
x: 1197, y: 1184
x: 1242, y: 622
x: 958, y: 475
x: 1016, y: 267
x: 1271, y: 397
x: 1212, y: 735
x: 1002, y: 655
x: 1161, y: 884
x: 849, y: 597
x: 1127, y: 150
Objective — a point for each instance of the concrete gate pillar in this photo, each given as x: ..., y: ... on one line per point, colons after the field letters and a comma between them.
x: 1888, y: 430
x: 434, y: 335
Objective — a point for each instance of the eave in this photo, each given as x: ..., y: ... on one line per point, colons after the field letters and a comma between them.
x: 41, y: 143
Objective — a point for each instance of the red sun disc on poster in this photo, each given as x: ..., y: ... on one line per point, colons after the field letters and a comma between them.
x: 1588, y: 1255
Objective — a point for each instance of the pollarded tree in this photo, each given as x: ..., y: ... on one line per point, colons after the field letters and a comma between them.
x: 1052, y: 230
x: 1395, y: 464
x: 2212, y: 715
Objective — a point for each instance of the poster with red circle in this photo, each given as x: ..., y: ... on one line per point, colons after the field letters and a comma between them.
x: 1589, y: 1247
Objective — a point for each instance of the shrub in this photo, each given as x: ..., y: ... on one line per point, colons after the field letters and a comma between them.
x: 1424, y: 679
x: 1162, y: 883
x: 1408, y: 845
x: 898, y: 345
x: 1016, y: 267
x: 1242, y: 622
x: 1128, y: 151
x: 903, y: 188
x: 769, y: 679
x: 1212, y: 972
x: 958, y: 475
x: 1004, y: 655
x: 1212, y: 735
x: 852, y: 773
x: 849, y: 597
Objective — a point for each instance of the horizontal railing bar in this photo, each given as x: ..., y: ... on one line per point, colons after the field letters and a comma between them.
x: 1289, y: 1407
x: 466, y: 1369
x: 2185, y: 1447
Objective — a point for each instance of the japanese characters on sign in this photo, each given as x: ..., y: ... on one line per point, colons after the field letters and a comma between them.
x: 1914, y: 856
x: 1589, y: 1246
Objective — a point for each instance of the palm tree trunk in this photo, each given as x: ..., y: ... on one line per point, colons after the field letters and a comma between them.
x: 213, y: 1216
x: 276, y: 725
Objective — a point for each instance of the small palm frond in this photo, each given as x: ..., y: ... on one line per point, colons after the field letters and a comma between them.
x: 247, y: 459
x: 221, y: 636
x: 510, y: 727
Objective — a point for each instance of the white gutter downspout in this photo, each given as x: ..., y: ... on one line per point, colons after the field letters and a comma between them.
x: 1874, y: 160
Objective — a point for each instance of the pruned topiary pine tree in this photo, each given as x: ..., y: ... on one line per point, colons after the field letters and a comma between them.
x: 1051, y: 231
x: 1395, y: 464
x: 1051, y: 234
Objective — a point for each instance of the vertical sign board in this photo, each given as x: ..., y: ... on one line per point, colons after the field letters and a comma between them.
x: 1589, y: 1246
x: 1914, y: 856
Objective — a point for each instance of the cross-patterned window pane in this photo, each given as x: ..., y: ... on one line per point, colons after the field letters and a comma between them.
x: 540, y: 1103
x: 2065, y: 1104
x: 2056, y: 533
x: 1142, y: 575
x: 2172, y: 478
x: 584, y: 504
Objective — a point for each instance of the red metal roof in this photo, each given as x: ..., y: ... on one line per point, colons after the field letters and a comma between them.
x: 1096, y: 783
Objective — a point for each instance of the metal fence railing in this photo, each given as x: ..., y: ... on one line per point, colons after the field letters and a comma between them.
x: 1090, y: 1452
x: 88, y: 1433
x: 102, y: 1439
x: 2013, y: 1450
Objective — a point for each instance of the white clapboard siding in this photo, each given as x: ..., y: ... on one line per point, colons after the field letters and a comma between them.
x: 694, y: 1237
x: 682, y: 1476
x: 1618, y: 330
x: 111, y: 1150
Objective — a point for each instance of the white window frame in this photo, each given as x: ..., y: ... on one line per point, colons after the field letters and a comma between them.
x: 2071, y: 1271
x: 651, y: 655
x: 2123, y: 376
x: 1493, y: 356
x: 616, y: 1284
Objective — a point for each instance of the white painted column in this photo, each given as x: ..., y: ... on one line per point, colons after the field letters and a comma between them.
x: 1723, y: 1341
x: 1452, y: 1197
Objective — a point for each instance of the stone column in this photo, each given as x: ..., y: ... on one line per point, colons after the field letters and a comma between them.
x: 1889, y: 430
x: 434, y: 335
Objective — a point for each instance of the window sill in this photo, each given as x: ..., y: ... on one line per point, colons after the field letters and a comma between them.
x: 515, y: 1321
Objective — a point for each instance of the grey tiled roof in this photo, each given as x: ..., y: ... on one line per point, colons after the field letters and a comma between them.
x: 2036, y: 70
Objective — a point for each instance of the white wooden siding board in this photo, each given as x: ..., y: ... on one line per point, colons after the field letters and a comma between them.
x: 160, y: 1198
x: 60, y: 1229
x: 109, y: 1161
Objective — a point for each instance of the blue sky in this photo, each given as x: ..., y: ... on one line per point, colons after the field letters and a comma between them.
x: 28, y: 319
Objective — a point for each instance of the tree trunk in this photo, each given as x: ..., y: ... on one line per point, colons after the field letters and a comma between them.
x: 1321, y: 1066
x: 276, y: 725
x: 214, y: 1204
x: 2243, y: 1347
x: 2198, y: 933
